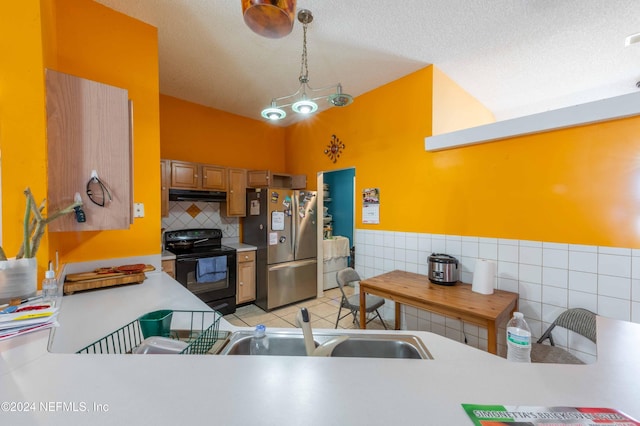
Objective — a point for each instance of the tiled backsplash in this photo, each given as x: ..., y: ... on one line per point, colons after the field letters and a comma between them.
x: 188, y: 214
x: 549, y: 277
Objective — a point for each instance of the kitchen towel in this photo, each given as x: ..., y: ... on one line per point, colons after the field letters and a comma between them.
x: 210, y: 269
x: 335, y: 247
x: 484, y: 277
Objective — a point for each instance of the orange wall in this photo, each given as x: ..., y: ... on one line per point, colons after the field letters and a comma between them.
x: 92, y: 41
x: 381, y: 138
x: 579, y: 185
x: 193, y: 132
x: 453, y: 108
x: 22, y: 118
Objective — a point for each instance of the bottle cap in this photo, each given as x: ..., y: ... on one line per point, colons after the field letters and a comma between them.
x: 50, y: 273
x: 518, y: 314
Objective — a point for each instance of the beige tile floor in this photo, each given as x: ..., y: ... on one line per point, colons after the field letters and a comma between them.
x: 323, y: 312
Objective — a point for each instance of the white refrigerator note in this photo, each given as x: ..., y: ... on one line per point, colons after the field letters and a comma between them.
x: 273, y: 238
x: 277, y: 221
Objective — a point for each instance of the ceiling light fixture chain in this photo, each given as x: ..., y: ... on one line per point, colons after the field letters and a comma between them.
x: 304, y: 67
x: 304, y: 105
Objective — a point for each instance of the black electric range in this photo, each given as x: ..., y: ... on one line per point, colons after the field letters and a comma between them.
x: 205, y: 266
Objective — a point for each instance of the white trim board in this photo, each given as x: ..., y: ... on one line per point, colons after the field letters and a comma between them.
x: 592, y: 112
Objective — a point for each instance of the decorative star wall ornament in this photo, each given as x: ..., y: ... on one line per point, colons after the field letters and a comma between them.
x: 334, y: 149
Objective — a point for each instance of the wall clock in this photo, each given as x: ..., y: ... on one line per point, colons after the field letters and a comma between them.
x: 334, y: 149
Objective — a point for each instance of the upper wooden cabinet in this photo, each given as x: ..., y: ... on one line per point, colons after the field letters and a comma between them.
x: 88, y: 128
x: 186, y: 175
x: 267, y: 178
x: 214, y: 177
x: 237, y: 193
x: 165, y: 179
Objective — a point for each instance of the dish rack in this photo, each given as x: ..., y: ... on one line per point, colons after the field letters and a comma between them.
x: 198, y: 328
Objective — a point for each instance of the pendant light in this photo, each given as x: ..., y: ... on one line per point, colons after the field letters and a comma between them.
x: 303, y: 101
x: 269, y: 18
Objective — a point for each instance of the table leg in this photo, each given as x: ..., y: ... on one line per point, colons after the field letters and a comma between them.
x: 492, y: 344
x: 363, y: 309
x: 397, y: 316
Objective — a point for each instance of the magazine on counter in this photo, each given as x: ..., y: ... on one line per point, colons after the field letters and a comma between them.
x: 26, y: 318
x: 495, y: 415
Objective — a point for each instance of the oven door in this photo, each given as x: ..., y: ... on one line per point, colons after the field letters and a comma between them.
x: 211, y: 282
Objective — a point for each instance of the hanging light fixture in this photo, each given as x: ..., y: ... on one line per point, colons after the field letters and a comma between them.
x: 269, y: 18
x: 303, y: 101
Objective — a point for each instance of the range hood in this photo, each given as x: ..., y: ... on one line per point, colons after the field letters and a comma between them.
x: 194, y: 195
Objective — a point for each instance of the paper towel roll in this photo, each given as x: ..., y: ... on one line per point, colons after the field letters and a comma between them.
x: 484, y: 277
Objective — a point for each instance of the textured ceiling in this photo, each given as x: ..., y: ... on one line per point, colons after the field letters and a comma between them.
x: 517, y: 57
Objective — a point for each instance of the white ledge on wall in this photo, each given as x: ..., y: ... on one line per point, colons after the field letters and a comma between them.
x: 577, y: 115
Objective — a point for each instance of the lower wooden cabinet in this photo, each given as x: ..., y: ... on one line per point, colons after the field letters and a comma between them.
x: 246, y: 276
x: 169, y: 266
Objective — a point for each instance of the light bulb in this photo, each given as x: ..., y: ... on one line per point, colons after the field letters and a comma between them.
x: 304, y: 107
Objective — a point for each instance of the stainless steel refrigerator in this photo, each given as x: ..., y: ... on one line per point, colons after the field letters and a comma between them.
x: 281, y: 223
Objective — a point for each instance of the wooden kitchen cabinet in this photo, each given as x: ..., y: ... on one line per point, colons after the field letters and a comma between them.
x: 88, y: 128
x: 267, y: 178
x: 237, y: 193
x: 165, y: 179
x: 185, y: 175
x: 246, y: 277
x: 169, y: 266
x: 214, y: 177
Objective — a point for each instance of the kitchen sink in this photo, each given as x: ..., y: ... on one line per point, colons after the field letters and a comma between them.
x: 291, y: 343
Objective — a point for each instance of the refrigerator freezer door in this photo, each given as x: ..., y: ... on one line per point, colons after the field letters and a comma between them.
x: 306, y: 232
x: 291, y: 282
x: 280, y: 234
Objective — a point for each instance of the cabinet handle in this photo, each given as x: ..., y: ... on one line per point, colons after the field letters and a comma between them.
x: 246, y: 257
x: 241, y: 283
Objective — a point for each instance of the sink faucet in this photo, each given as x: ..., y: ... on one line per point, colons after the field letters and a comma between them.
x: 325, y: 349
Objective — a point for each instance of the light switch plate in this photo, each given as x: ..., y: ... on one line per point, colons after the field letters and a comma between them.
x: 138, y: 210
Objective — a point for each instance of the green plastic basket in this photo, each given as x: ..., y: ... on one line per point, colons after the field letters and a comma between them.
x: 156, y: 323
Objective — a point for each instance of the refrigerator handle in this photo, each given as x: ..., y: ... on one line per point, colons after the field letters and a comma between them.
x: 294, y: 223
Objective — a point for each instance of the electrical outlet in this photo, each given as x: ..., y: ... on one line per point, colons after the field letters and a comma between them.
x: 138, y: 210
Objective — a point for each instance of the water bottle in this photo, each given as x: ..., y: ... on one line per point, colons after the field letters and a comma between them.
x: 259, y: 341
x: 518, y: 339
x: 50, y: 286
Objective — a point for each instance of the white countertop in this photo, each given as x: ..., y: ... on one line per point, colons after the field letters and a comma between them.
x: 242, y: 390
x: 241, y: 246
x: 167, y: 255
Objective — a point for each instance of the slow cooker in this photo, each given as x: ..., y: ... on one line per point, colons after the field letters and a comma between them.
x: 443, y: 269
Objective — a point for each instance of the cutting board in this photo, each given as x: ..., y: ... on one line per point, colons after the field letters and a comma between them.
x: 83, y: 276
x: 71, y: 287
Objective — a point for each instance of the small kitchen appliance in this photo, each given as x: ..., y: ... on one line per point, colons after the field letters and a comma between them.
x: 443, y: 269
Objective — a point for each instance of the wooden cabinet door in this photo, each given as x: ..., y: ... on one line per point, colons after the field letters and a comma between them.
x: 165, y: 179
x: 169, y: 266
x: 214, y: 177
x: 258, y: 178
x: 184, y: 175
x: 88, y: 128
x: 237, y: 193
x: 246, y: 289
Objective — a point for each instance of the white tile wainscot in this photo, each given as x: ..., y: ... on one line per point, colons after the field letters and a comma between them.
x: 549, y: 277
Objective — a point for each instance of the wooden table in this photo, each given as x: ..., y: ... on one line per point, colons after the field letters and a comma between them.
x: 456, y: 301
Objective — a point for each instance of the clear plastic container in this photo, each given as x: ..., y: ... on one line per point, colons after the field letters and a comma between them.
x: 518, y: 339
x: 160, y: 345
x: 259, y: 341
x: 50, y: 287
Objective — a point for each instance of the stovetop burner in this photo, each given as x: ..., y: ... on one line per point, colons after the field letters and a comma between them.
x: 189, y: 242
